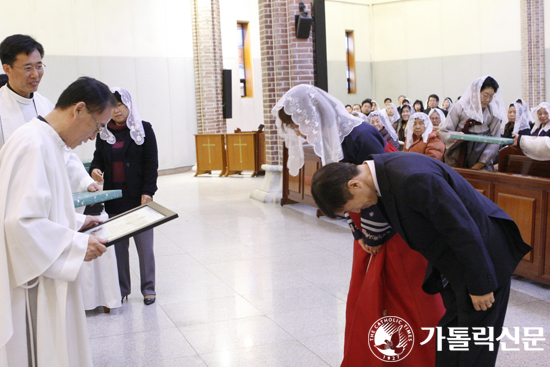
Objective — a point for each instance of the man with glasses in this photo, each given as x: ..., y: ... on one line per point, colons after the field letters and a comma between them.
x: 42, y: 317
x: 20, y: 102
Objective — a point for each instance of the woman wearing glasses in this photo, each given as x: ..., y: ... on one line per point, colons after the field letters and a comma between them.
x: 479, y: 111
x: 126, y: 158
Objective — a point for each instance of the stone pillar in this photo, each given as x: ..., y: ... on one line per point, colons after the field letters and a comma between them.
x: 208, y: 60
x: 533, y: 64
x: 286, y: 62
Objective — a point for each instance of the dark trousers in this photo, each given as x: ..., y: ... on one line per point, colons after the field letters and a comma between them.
x: 144, y: 245
x: 461, y: 313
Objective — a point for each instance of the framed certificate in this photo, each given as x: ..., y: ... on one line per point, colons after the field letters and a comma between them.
x: 132, y: 222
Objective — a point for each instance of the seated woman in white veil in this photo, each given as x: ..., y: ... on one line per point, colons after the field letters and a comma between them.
x: 381, y: 123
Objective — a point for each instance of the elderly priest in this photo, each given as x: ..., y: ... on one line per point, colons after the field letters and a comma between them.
x: 42, y: 318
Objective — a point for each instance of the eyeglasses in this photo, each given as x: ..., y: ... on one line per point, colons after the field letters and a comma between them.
x: 99, y: 127
x: 28, y: 69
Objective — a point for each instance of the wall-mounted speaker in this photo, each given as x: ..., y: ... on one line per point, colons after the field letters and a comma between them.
x: 227, y: 97
x: 303, y: 24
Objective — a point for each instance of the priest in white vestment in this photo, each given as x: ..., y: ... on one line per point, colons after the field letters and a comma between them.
x: 41, y: 250
x: 20, y: 102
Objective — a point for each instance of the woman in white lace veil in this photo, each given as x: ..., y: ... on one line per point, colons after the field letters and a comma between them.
x: 133, y: 122
x: 541, y: 126
x: 378, y: 120
x: 390, y: 113
x: 479, y: 111
x: 517, y: 121
x: 375, y: 106
x: 409, y: 130
x: 318, y: 118
x: 447, y: 104
x: 433, y: 118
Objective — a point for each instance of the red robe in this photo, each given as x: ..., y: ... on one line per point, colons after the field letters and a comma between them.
x: 392, y: 283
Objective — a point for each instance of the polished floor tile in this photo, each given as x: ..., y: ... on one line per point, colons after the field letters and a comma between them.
x: 245, y: 284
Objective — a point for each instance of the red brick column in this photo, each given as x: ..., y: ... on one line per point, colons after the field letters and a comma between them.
x: 286, y: 62
x: 533, y: 64
x: 208, y: 60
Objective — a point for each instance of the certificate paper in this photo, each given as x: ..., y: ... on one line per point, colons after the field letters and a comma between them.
x: 132, y: 222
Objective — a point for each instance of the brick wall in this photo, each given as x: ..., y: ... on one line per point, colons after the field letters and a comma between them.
x: 533, y: 66
x: 208, y: 60
x: 286, y: 62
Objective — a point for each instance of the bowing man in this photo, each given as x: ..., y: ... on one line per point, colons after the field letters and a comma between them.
x: 472, y: 246
x: 308, y: 113
x: 41, y: 250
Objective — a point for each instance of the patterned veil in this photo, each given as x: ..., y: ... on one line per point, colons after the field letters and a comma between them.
x: 321, y: 118
x: 133, y: 122
x: 471, y: 102
x: 409, y: 129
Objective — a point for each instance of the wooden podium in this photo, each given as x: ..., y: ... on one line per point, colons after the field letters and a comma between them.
x: 245, y: 152
x: 210, y: 153
x: 298, y: 189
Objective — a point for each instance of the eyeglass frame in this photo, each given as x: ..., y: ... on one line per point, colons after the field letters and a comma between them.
x: 99, y: 128
x: 38, y: 68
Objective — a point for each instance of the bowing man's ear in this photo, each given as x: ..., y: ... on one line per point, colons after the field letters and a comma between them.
x: 354, y: 184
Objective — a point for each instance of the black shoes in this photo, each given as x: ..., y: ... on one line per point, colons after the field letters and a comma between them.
x: 122, y: 300
x: 149, y: 301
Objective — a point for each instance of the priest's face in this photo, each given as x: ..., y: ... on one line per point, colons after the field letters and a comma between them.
x: 120, y: 114
x: 89, y: 124
x: 25, y: 73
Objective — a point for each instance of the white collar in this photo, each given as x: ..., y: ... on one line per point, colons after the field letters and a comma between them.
x: 372, y: 168
x: 20, y: 99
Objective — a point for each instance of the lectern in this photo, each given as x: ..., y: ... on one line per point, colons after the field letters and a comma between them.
x: 210, y: 153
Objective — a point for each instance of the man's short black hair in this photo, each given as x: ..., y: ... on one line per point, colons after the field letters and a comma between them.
x: 329, y: 187
x: 16, y: 44
x: 489, y: 83
x: 368, y: 100
x: 348, y: 105
x: 434, y: 96
x: 94, y: 93
x: 387, y: 99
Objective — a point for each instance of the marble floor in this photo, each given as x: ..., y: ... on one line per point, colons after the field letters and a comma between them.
x: 242, y: 283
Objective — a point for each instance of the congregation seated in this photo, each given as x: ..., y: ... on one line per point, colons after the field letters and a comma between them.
x: 421, y: 137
